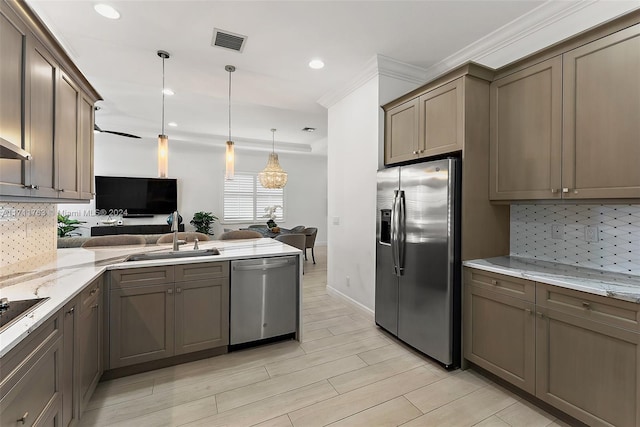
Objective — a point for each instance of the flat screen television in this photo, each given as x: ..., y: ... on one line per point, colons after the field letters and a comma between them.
x: 117, y: 195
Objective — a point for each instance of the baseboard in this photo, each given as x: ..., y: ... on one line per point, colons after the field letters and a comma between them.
x: 358, y: 305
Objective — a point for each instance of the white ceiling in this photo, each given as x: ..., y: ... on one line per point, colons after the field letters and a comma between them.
x: 273, y: 87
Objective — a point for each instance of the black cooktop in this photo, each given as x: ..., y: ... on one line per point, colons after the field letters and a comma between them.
x: 16, y: 309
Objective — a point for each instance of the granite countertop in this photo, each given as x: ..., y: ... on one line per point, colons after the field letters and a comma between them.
x: 67, y: 271
x: 599, y: 282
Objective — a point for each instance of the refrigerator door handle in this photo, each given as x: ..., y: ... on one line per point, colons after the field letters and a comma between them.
x: 394, y: 232
x: 400, y: 234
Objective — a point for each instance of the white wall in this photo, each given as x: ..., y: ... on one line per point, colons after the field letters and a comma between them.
x: 355, y: 136
x: 200, y: 173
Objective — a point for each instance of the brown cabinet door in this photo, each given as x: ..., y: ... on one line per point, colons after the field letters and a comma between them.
x: 141, y: 324
x: 67, y: 139
x: 601, y: 136
x: 70, y: 362
x: 526, y: 133
x: 441, y: 120
x: 43, y: 75
x: 202, y: 315
x: 90, y: 342
x: 401, y: 132
x: 85, y: 147
x: 13, y: 34
x: 37, y: 395
x: 588, y: 369
x: 499, y: 335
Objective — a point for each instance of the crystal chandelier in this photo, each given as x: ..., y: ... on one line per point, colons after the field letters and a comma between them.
x: 273, y: 176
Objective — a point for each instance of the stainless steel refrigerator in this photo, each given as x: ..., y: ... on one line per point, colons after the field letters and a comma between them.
x: 418, y: 257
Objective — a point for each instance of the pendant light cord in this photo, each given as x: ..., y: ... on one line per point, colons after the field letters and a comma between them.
x: 163, y: 95
x: 273, y: 139
x: 230, y: 105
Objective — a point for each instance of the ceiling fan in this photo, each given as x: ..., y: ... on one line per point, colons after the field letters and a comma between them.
x: 97, y: 128
x: 128, y: 135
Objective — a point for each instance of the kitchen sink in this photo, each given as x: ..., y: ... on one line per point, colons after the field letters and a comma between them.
x: 173, y: 254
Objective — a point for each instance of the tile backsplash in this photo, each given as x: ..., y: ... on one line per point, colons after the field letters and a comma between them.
x: 28, y: 233
x: 559, y: 233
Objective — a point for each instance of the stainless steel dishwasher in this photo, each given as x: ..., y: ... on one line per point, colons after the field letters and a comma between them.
x: 264, y: 298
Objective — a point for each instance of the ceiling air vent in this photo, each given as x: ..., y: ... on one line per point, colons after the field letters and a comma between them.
x: 228, y: 40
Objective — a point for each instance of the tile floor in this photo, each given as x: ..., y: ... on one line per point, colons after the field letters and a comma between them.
x: 346, y: 372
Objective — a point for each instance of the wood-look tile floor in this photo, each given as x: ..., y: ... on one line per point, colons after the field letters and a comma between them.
x: 346, y: 372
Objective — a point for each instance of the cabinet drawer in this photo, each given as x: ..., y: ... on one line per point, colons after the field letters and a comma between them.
x: 506, y: 285
x: 15, y: 363
x: 203, y: 270
x: 91, y: 293
x: 141, y: 276
x: 37, y: 391
x: 588, y: 306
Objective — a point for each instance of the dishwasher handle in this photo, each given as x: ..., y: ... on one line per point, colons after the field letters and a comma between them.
x: 261, y: 266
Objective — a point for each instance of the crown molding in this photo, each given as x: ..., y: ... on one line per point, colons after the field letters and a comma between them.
x: 378, y: 65
x: 530, y: 23
x: 522, y: 27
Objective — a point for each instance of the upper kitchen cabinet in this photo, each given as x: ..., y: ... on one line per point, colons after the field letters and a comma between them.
x: 526, y: 133
x: 567, y: 126
x: 601, y: 133
x: 13, y: 35
x: 47, y: 109
x: 429, y: 123
x: 401, y: 132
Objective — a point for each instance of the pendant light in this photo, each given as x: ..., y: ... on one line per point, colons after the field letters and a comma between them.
x: 163, y: 140
x: 230, y: 152
x: 273, y: 176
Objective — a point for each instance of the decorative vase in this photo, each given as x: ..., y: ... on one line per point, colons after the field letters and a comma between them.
x: 170, y: 219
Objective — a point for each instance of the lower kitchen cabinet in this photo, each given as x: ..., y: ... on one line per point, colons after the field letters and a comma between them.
x: 576, y: 351
x: 500, y: 335
x: 30, y: 386
x: 70, y: 360
x: 90, y: 341
x: 153, y: 317
x: 141, y: 324
x: 588, y: 369
x: 201, y: 315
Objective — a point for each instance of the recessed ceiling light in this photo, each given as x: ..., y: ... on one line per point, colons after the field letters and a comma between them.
x: 168, y: 91
x: 107, y: 11
x: 308, y: 129
x: 172, y: 124
x: 316, y: 64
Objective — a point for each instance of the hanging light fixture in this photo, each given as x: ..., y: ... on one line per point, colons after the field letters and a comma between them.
x: 163, y: 140
x: 230, y: 157
x: 273, y: 176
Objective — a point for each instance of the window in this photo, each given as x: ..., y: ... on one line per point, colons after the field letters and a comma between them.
x: 245, y: 199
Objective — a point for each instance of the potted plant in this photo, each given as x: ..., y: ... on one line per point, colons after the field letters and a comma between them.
x: 67, y: 226
x: 203, y: 221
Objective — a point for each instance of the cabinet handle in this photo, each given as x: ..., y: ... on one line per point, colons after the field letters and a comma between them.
x: 31, y: 187
x: 93, y: 291
x: 528, y: 311
x: 565, y: 190
x: 94, y: 306
x: 71, y: 310
x: 421, y: 151
x: 415, y: 151
x: 586, y: 305
x: 169, y: 291
x: 23, y: 419
x: 494, y: 282
x: 540, y: 315
x: 554, y: 190
x: 178, y: 290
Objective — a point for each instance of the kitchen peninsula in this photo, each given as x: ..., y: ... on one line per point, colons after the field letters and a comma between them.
x: 104, y: 311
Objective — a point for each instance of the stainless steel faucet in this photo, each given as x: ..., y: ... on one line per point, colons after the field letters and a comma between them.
x: 174, y: 229
x: 195, y: 244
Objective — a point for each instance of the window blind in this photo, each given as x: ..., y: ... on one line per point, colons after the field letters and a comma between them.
x: 245, y: 199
